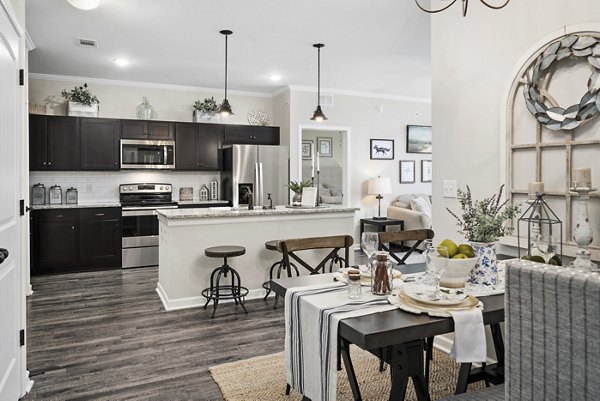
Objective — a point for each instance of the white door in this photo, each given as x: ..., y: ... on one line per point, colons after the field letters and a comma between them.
x: 10, y: 268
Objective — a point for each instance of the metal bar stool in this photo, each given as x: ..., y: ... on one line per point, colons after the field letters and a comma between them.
x: 277, y: 266
x: 216, y: 291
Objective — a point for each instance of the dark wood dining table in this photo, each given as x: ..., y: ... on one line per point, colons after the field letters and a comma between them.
x: 398, y: 337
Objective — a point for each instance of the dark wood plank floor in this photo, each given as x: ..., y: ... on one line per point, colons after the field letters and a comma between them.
x: 105, y: 336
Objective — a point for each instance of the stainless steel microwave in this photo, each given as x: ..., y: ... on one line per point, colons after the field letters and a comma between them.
x: 143, y: 154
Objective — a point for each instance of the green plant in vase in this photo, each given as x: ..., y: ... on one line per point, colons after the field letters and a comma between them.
x: 206, y: 109
x: 483, y: 222
x: 80, y: 94
x: 297, y: 187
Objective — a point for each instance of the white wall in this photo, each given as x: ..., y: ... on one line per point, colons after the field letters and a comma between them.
x: 120, y: 101
x: 368, y: 117
x: 472, y: 63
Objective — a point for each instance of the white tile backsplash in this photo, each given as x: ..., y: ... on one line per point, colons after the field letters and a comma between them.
x: 103, y: 186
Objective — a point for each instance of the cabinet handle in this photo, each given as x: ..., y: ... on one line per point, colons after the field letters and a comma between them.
x: 197, y: 164
x: 72, y: 227
x: 116, y: 164
x: 44, y: 163
x: 59, y: 216
x: 49, y: 163
x: 98, y: 214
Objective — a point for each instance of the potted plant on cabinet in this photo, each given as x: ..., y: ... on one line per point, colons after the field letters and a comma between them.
x: 206, y: 111
x: 81, y: 102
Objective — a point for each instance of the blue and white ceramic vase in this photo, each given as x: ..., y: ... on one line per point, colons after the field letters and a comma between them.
x: 485, y: 271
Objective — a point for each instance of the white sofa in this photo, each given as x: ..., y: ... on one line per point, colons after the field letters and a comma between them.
x: 401, y: 209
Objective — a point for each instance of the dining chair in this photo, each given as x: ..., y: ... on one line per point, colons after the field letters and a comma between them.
x: 552, y: 325
x: 418, y: 236
x: 290, y: 248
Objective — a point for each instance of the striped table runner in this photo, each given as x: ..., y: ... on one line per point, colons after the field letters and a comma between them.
x: 312, y: 315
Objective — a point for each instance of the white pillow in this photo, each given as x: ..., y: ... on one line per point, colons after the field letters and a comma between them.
x: 422, y: 206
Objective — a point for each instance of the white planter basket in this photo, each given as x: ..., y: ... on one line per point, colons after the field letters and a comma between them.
x: 200, y: 117
x: 76, y: 109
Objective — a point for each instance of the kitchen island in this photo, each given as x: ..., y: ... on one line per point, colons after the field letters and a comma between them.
x: 184, y: 271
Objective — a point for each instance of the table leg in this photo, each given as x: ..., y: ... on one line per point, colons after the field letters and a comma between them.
x: 406, y: 362
x: 345, y: 351
x: 463, y: 378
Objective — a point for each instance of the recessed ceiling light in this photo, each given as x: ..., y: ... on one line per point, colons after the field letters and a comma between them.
x: 275, y: 77
x: 121, y: 62
x: 84, y: 4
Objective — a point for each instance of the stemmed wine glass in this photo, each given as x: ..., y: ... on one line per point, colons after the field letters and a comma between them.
x: 370, y: 244
x: 547, y: 247
x: 437, y: 265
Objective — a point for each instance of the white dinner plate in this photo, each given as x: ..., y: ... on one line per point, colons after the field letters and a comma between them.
x: 426, y: 295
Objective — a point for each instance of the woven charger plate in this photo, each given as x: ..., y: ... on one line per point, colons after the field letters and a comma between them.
x: 409, y: 305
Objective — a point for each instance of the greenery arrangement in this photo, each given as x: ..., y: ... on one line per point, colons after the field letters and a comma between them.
x: 80, y: 94
x: 483, y: 221
x: 297, y: 186
x: 209, y: 105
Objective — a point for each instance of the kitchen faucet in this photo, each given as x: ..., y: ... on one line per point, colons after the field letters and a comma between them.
x: 270, y: 202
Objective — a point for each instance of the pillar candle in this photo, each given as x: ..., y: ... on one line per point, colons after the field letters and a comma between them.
x: 318, y: 169
x: 535, y: 187
x: 312, y: 166
x: 582, y: 177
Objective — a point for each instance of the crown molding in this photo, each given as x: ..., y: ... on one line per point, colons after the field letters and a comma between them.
x: 279, y: 91
x: 137, y: 84
x: 329, y: 91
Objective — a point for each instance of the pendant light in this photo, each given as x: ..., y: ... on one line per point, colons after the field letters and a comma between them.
x: 318, y: 115
x: 225, y: 108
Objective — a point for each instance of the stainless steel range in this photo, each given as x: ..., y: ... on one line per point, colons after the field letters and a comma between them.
x: 140, y: 225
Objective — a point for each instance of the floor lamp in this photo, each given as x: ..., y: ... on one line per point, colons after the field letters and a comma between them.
x: 379, y: 186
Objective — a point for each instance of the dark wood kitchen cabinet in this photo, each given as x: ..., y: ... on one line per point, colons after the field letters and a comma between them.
x: 250, y: 135
x: 197, y: 146
x: 70, y: 240
x: 53, y: 143
x: 140, y: 129
x: 99, y: 143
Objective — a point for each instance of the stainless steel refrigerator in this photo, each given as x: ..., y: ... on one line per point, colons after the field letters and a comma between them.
x: 255, y: 170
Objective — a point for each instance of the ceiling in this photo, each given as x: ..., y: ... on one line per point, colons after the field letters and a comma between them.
x: 380, y: 46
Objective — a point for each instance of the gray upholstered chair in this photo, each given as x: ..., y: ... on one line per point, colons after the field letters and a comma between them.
x: 553, y: 336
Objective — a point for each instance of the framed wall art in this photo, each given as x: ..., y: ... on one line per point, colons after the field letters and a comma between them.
x: 407, y: 171
x: 418, y: 139
x: 325, y: 147
x: 307, y: 149
x: 382, y: 149
x: 426, y: 170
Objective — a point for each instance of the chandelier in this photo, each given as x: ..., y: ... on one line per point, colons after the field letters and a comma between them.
x: 465, y: 6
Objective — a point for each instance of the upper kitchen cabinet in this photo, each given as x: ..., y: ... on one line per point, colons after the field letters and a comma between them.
x: 53, y: 143
x: 99, y: 143
x: 197, y: 146
x: 152, y: 130
x: 250, y: 135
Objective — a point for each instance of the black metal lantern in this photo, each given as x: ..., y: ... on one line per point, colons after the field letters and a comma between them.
x: 542, y: 224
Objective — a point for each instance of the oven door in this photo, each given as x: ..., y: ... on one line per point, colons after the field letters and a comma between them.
x: 142, y: 154
x: 140, y: 228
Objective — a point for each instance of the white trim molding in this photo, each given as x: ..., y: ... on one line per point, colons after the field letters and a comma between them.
x: 12, y: 16
x: 29, y: 45
x: 195, y: 302
x: 137, y: 84
x: 384, y: 96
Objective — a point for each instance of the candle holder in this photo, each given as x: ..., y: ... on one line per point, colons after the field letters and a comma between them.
x: 583, y: 234
x: 318, y: 196
x: 540, y: 220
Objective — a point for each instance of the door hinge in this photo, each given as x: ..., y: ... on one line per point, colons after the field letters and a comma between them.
x: 22, y: 337
x: 21, y: 77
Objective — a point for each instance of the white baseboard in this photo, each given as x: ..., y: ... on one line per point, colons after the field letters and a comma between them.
x: 199, y: 301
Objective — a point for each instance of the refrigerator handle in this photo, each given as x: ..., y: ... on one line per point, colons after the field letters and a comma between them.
x: 256, y: 186
x: 262, y: 189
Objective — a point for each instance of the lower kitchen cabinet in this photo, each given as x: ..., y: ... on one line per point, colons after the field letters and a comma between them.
x: 70, y: 240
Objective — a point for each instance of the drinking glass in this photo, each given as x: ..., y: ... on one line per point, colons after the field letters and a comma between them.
x: 439, y: 262
x: 370, y: 245
x: 429, y: 251
x: 547, y: 247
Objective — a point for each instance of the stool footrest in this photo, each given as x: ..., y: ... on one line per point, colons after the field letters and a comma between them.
x: 225, y: 292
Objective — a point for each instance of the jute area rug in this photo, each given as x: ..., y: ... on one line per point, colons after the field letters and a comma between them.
x: 263, y: 378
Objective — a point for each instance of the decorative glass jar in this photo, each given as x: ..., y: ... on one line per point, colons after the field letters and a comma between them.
x: 144, y: 110
x: 381, y: 274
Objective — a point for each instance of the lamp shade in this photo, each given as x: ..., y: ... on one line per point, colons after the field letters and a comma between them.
x: 380, y: 185
x: 85, y: 4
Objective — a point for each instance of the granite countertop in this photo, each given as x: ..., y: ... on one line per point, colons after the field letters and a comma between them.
x: 75, y: 206
x: 202, y: 202
x: 222, y: 212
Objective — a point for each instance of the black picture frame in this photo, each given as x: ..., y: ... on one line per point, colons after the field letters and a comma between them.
x: 426, y: 170
x: 407, y: 172
x: 382, y: 149
x: 307, y: 150
x: 418, y: 139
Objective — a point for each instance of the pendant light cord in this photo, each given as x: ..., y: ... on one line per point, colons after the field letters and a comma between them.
x: 319, y: 76
x: 226, y: 66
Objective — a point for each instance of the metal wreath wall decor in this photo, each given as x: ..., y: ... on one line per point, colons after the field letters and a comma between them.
x: 541, y: 104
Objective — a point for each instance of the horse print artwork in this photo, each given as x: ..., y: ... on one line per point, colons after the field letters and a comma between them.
x: 382, y: 149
